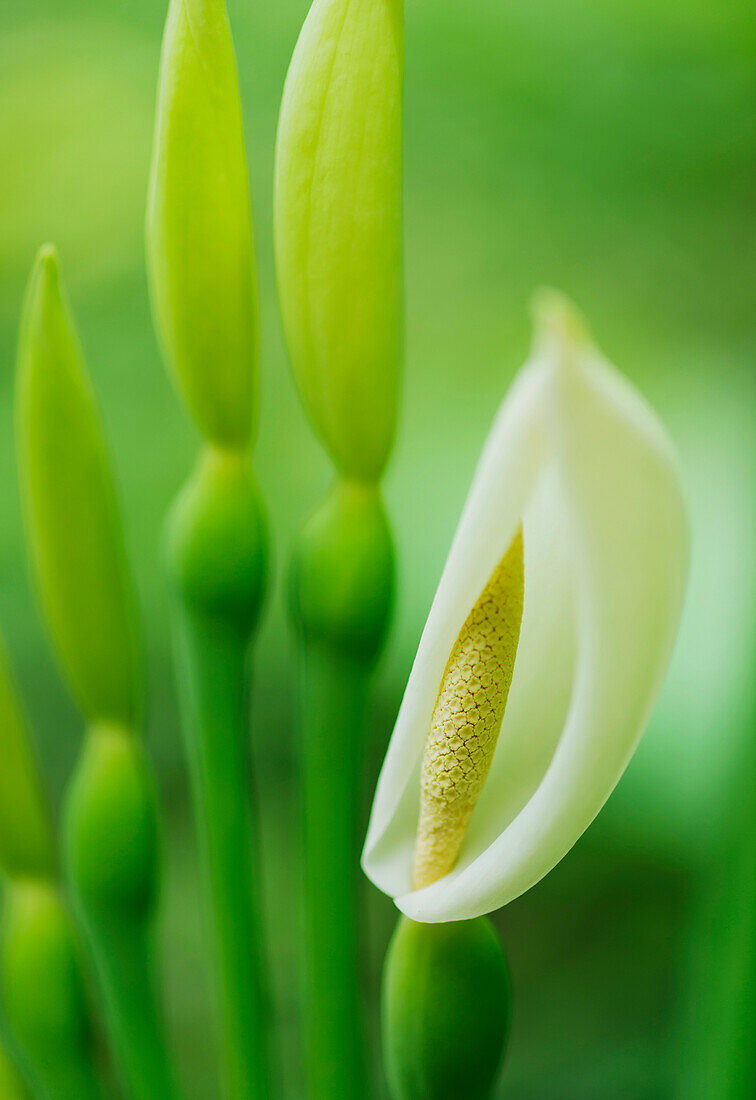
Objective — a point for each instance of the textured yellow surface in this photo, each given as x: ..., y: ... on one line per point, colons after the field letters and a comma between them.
x: 467, y: 717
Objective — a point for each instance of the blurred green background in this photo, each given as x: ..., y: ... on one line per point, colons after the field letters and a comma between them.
x: 607, y: 147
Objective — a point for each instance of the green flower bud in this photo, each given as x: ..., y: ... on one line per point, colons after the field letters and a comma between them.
x: 199, y: 227
x: 73, y: 527
x: 217, y: 541
x: 446, y: 1007
x: 338, y: 223
x: 111, y: 827
x: 26, y: 847
x: 343, y: 572
x: 43, y: 991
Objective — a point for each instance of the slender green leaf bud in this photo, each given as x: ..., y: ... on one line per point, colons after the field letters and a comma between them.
x: 111, y: 827
x: 73, y: 527
x: 199, y: 226
x: 446, y: 1007
x: 43, y: 992
x: 338, y: 223
x: 343, y: 573
x: 26, y: 847
x: 217, y: 541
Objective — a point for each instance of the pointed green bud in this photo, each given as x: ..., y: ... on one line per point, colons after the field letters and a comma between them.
x: 446, y: 1007
x: 26, y: 846
x: 199, y: 226
x: 73, y: 528
x: 338, y: 224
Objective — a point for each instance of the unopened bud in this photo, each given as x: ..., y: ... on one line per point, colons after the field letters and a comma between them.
x: 199, y: 225
x: 446, y: 1007
x: 338, y: 223
x: 73, y: 527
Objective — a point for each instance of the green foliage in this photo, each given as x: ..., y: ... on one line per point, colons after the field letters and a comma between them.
x: 343, y: 573
x: 217, y: 541
x: 73, y: 529
x: 446, y: 1006
x: 110, y: 838
x: 338, y: 223
x: 199, y: 228
x: 26, y: 846
x: 43, y: 991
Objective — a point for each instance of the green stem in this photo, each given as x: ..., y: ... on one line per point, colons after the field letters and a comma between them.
x: 216, y: 550
x: 44, y: 995
x: 111, y: 848
x: 213, y: 659
x: 717, y: 1025
x: 123, y: 953
x: 342, y: 597
x: 333, y: 697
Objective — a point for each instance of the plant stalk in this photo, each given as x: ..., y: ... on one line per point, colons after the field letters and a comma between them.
x: 122, y: 949
x: 333, y: 700
x: 342, y: 595
x: 213, y: 661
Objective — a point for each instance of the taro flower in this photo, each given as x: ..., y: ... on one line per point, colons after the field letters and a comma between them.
x: 547, y: 641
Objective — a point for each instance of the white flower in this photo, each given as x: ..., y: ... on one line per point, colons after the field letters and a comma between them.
x: 580, y: 463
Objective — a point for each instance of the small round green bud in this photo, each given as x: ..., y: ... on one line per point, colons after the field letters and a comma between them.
x: 199, y: 224
x: 111, y: 827
x: 446, y: 1008
x: 43, y: 992
x: 338, y: 225
x: 343, y: 572
x: 73, y: 527
x: 217, y: 540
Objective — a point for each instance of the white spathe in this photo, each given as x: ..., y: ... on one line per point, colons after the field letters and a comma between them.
x: 579, y: 458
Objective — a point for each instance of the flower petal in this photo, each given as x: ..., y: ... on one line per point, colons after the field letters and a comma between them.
x: 501, y: 487
x: 617, y: 491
